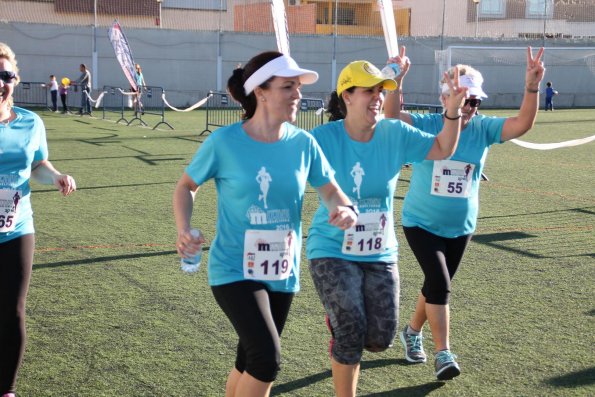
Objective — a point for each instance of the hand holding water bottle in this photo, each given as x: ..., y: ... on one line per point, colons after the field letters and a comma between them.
x: 189, y: 246
x: 398, y: 66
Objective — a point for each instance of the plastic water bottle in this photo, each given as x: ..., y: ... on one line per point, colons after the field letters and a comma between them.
x: 391, y: 70
x: 191, y: 265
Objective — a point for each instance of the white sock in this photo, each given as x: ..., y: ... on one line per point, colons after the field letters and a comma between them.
x: 411, y: 331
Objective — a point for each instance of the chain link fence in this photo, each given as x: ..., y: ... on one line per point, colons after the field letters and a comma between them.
x: 530, y: 19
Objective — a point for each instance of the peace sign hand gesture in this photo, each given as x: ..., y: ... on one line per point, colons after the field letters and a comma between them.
x: 456, y: 98
x: 535, y: 70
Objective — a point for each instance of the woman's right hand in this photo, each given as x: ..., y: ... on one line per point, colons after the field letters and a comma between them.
x: 188, y: 245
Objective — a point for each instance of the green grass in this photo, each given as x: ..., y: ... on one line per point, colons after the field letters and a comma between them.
x: 109, y: 312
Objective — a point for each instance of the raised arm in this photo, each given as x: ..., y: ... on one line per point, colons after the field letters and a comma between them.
x: 516, y: 126
x: 393, y: 99
x: 446, y: 141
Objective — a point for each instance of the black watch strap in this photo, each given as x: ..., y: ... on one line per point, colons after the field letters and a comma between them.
x: 354, y: 209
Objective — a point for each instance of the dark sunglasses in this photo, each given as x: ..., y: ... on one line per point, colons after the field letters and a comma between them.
x: 7, y: 76
x: 473, y: 102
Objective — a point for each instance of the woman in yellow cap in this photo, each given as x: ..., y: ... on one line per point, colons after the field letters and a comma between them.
x: 355, y: 271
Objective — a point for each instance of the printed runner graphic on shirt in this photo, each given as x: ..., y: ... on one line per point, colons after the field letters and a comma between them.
x: 357, y: 173
x: 268, y: 254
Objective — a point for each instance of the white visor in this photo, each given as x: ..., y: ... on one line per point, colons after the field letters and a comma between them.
x: 473, y: 84
x: 283, y: 66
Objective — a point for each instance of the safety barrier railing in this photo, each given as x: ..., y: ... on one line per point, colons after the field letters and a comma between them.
x: 222, y: 109
x: 113, y: 101
x: 31, y: 94
x: 422, y: 108
x: 149, y: 102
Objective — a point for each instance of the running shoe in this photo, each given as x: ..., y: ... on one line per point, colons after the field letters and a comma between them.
x: 446, y: 366
x: 414, y: 348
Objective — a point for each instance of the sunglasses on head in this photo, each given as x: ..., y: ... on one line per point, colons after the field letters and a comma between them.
x: 473, y: 102
x: 7, y: 76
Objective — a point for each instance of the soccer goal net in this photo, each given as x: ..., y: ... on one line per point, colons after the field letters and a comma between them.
x: 571, y: 70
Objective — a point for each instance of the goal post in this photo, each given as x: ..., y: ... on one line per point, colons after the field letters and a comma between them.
x: 570, y: 69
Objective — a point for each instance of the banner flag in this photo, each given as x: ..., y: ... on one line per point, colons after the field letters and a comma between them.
x: 123, y: 52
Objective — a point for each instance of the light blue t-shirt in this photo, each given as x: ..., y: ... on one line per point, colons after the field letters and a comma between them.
x: 367, y: 172
x: 22, y: 142
x: 259, y: 186
x: 446, y: 216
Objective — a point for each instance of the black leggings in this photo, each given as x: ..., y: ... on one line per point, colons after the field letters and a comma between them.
x: 258, y: 317
x: 15, y: 273
x: 439, y: 258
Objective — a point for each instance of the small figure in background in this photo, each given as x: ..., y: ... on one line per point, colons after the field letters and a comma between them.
x: 549, y: 96
x: 63, y: 90
x: 54, y: 92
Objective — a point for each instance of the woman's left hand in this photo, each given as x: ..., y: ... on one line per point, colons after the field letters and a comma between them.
x: 535, y: 69
x: 342, y: 217
x: 65, y: 184
x: 458, y: 93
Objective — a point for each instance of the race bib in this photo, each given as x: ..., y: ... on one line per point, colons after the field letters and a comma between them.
x: 9, y: 206
x: 368, y: 236
x: 269, y: 254
x: 452, y: 178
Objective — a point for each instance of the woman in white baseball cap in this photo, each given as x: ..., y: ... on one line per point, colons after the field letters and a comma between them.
x: 441, y: 207
x: 260, y: 166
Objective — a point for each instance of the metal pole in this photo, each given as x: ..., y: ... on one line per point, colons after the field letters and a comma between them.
x: 160, y: 19
x: 476, y: 18
x: 219, y: 57
x: 95, y: 67
x: 476, y: 15
x: 334, y: 61
x: 544, y: 21
x: 442, y: 35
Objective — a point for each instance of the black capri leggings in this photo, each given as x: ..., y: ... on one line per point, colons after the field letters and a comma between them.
x: 258, y: 317
x: 439, y: 258
x: 15, y: 272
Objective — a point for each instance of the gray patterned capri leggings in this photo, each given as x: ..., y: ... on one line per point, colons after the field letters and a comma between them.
x: 361, y: 300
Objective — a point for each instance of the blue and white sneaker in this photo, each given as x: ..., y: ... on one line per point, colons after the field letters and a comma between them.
x: 446, y: 366
x: 414, y: 348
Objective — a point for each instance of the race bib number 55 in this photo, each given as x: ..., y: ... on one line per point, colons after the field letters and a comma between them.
x: 452, y: 178
x: 9, y: 206
x: 269, y: 254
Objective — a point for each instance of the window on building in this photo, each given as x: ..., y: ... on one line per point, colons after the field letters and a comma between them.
x: 196, y: 4
x: 346, y: 16
x: 492, y: 9
x: 539, y: 9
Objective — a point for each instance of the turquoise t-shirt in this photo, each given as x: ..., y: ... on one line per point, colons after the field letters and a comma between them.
x: 453, y: 213
x: 22, y: 142
x: 260, y: 186
x: 367, y: 172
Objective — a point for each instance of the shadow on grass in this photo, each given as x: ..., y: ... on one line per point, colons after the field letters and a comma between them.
x: 91, y: 260
x: 410, y: 391
x: 574, y: 379
x: 279, y: 390
x: 491, y: 240
x: 53, y: 189
x: 421, y: 390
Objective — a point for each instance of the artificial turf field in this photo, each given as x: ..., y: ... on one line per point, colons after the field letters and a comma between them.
x: 110, y: 313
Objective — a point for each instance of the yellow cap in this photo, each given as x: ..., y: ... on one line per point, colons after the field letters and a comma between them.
x: 362, y: 74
